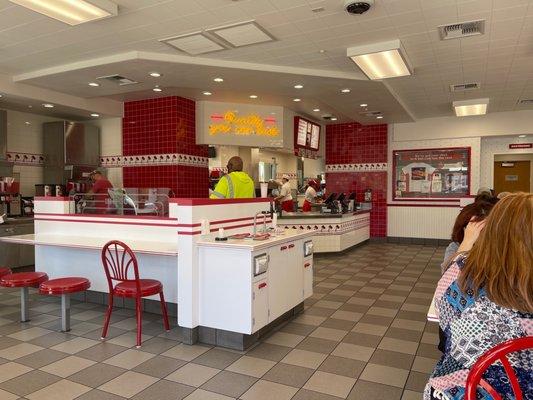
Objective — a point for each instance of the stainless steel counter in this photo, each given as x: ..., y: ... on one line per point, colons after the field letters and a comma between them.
x: 16, y: 255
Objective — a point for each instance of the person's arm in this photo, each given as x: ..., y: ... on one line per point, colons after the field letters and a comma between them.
x: 221, y: 189
x: 472, y: 232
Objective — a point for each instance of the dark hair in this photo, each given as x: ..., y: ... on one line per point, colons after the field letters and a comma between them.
x: 479, y: 210
x: 486, y: 197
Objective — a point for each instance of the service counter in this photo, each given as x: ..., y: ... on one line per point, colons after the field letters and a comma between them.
x: 333, y: 232
x: 181, y: 252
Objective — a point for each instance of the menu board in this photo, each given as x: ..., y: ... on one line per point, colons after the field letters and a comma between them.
x: 307, y: 134
x: 431, y: 174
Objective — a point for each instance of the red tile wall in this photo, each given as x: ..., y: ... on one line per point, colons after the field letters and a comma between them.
x: 353, y: 143
x: 159, y: 126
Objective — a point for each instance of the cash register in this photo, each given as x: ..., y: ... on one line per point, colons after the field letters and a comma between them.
x: 331, y: 205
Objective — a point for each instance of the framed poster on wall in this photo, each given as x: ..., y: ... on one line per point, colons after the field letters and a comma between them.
x: 431, y: 174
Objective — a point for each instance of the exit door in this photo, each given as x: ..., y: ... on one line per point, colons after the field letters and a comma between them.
x: 512, y: 176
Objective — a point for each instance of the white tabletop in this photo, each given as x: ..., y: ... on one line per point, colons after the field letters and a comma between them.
x: 252, y: 245
x: 432, y: 312
x: 86, y: 242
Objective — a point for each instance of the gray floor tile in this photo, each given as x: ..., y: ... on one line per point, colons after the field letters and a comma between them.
x: 99, y: 395
x: 291, y: 375
x: 269, y: 351
x: 392, y: 359
x: 229, y: 383
x: 297, y: 329
x: 362, y: 339
x: 370, y: 390
x: 159, y: 366
x: 165, y: 390
x: 342, y: 366
x: 29, y: 383
x: 417, y: 381
x: 41, y: 358
x: 318, y: 345
x: 217, y: 358
x: 404, y: 334
x: 304, y: 394
x: 96, y: 375
x: 102, y: 351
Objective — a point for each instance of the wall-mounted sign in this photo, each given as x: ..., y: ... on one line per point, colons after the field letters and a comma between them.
x: 239, y: 124
x: 521, y: 145
x: 431, y: 174
x: 511, y: 178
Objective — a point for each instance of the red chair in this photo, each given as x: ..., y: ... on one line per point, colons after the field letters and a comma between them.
x: 498, y: 353
x: 119, y: 264
x: 64, y: 287
x: 4, y: 271
x: 23, y: 280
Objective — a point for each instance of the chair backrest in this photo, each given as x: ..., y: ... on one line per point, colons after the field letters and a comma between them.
x: 119, y: 263
x: 497, y: 353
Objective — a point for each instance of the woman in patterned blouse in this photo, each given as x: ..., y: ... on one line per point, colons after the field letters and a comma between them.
x: 485, y: 298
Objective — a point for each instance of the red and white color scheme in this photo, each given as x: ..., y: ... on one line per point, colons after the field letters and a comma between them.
x: 356, y: 160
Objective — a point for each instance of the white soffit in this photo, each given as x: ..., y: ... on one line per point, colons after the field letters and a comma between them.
x: 194, y: 43
x: 242, y: 34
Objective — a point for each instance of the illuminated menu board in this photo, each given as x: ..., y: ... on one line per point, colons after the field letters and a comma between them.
x: 307, y: 134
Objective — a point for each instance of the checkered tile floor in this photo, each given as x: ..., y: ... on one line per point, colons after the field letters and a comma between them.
x: 362, y: 336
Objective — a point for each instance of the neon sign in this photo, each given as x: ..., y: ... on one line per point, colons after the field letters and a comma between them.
x: 247, y: 125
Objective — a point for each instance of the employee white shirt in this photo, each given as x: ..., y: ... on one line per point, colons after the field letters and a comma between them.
x: 285, y: 192
x: 310, y: 194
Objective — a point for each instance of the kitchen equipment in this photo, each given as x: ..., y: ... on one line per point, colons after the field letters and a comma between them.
x: 266, y: 171
x: 6, y: 167
x: 3, y: 218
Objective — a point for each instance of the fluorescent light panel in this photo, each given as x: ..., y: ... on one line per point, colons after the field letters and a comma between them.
x: 72, y: 12
x: 467, y: 108
x: 380, y: 60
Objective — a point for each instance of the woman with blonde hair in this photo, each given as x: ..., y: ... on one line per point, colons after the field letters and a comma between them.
x: 485, y: 298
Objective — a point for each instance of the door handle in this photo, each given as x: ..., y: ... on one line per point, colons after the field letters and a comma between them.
x: 262, y: 285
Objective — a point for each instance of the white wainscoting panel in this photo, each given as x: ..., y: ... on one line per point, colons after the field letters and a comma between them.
x: 421, y: 222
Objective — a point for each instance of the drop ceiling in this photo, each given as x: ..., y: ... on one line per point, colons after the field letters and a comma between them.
x: 500, y: 59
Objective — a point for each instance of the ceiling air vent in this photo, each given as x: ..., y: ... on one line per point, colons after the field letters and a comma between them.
x: 525, y: 101
x: 370, y: 113
x: 461, y: 87
x: 118, y: 80
x: 462, y: 29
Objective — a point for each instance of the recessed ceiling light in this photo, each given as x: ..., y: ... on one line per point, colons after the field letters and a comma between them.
x: 253, y: 96
x: 379, y: 117
x: 30, y: 106
x: 522, y: 136
x: 218, y: 80
x: 296, y: 100
x: 316, y: 109
x: 1, y: 95
x: 467, y: 108
x: 71, y: 12
x: 380, y: 60
x: 48, y: 105
x: 333, y: 118
x: 95, y: 115
x: 155, y: 74
x: 207, y: 93
x: 321, y: 51
x: 363, y: 105
x: 27, y: 123
x: 299, y: 86
x: 345, y: 90
x: 94, y: 84
x: 157, y: 89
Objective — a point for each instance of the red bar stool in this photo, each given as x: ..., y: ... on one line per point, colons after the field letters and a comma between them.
x: 23, y: 280
x: 64, y: 287
x: 119, y: 264
x: 4, y: 271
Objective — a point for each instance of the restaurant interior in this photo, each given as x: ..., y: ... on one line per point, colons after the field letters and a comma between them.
x: 365, y: 131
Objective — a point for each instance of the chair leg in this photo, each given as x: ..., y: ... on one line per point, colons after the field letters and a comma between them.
x: 139, y: 320
x: 107, y: 315
x: 164, y: 311
x: 24, y: 298
x: 65, y: 312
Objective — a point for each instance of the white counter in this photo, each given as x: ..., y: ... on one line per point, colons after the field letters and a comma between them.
x: 254, y: 245
x: 333, y: 232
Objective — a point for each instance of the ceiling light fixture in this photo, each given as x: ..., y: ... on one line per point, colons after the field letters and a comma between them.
x: 207, y: 93
x: 467, y: 108
x: 27, y: 123
x: 379, y: 117
x: 363, y: 105
x: 157, y: 89
x: 316, y: 109
x: 333, y: 118
x: 71, y: 12
x: 380, y: 60
x: 218, y: 80
x: 155, y: 74
x: 94, y: 84
x: 522, y: 136
x: 95, y: 115
x: 296, y: 100
x: 299, y: 86
x: 253, y: 96
x: 345, y: 90
x: 48, y: 105
x: 1, y: 95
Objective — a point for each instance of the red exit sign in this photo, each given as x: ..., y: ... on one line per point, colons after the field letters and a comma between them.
x: 521, y: 146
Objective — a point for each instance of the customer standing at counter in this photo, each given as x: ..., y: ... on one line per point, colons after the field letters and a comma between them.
x: 310, y: 195
x: 285, y: 196
x: 236, y: 184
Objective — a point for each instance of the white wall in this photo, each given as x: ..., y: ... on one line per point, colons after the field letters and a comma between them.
x: 25, y: 135
x: 312, y: 167
x: 492, y: 124
x: 110, y: 144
